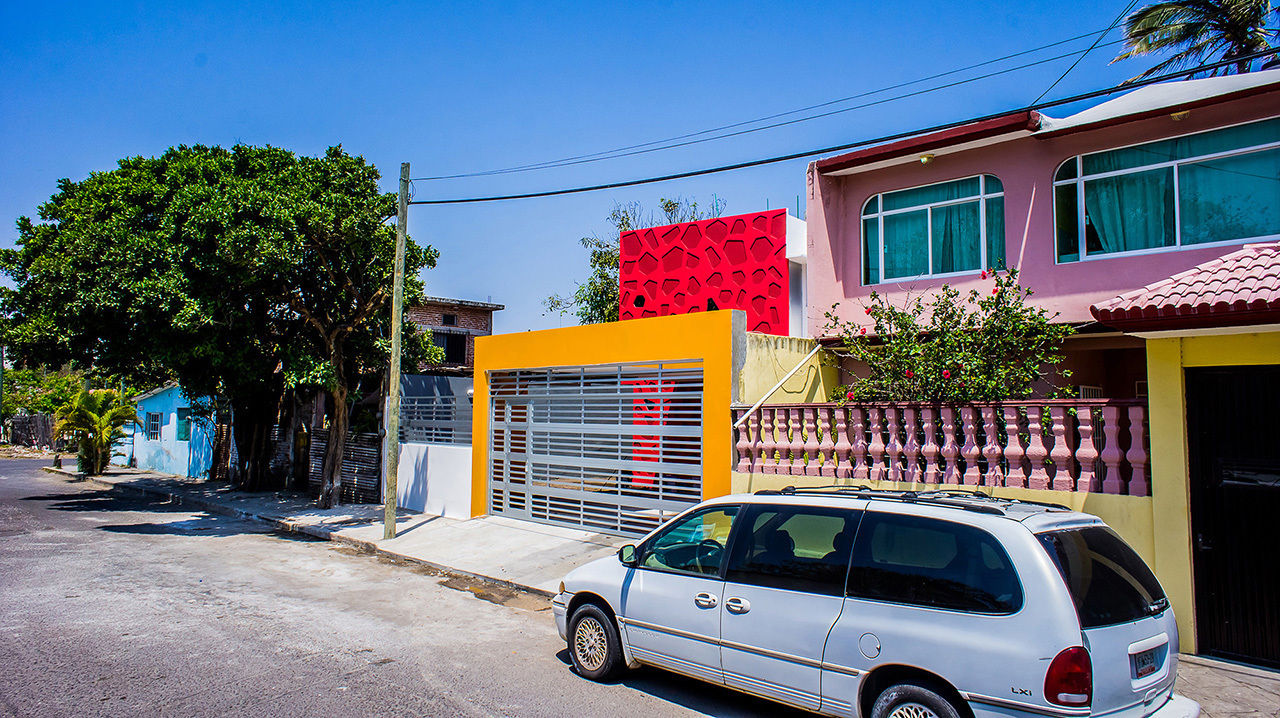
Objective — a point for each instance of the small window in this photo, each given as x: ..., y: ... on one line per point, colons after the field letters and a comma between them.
x: 694, y: 544
x: 449, y: 320
x: 797, y: 548
x: 184, y: 424
x: 937, y: 564
x: 454, y: 346
x: 939, y: 229
x: 153, y: 426
x: 1109, y: 582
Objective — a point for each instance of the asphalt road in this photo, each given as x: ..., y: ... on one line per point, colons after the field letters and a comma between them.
x: 113, y: 604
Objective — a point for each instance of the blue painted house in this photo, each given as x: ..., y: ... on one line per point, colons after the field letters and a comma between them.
x: 168, y: 437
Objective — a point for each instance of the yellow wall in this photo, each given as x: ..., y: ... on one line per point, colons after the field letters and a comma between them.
x: 769, y: 358
x: 709, y: 336
x: 1130, y: 516
x: 1170, y: 476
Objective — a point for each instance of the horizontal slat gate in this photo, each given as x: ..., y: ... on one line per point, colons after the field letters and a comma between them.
x: 614, y: 448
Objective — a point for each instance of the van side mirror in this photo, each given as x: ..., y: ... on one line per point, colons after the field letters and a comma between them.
x: 627, y: 555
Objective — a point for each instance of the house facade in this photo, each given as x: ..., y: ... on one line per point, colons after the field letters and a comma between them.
x: 168, y: 436
x: 1086, y: 207
x: 454, y: 325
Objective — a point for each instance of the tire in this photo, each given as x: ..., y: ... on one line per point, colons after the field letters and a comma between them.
x: 594, y: 644
x: 910, y: 700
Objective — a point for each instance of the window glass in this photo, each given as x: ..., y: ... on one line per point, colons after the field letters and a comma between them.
x: 449, y: 320
x: 941, y: 192
x: 1230, y: 198
x: 872, y: 206
x: 1108, y: 581
x: 694, y: 544
x: 1067, y: 219
x: 928, y: 562
x: 184, y: 424
x: 995, y: 232
x: 956, y: 238
x: 1180, y: 148
x: 153, y: 426
x: 906, y: 244
x: 870, y: 251
x: 992, y: 184
x: 798, y: 548
x: 1066, y: 171
x: 1131, y: 211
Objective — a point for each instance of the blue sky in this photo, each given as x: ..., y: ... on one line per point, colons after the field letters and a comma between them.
x: 459, y: 87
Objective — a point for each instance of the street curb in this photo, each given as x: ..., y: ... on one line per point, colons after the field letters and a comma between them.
x: 283, y: 524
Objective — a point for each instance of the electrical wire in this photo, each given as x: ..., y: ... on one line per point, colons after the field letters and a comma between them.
x: 609, y: 154
x: 850, y: 145
x: 1101, y: 35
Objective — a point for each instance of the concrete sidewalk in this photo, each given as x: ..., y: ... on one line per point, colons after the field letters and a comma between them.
x: 518, y: 554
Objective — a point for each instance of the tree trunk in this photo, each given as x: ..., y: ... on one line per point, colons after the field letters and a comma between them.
x: 251, y: 429
x: 331, y: 470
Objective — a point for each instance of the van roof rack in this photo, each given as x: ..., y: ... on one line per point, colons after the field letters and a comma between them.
x: 942, y: 497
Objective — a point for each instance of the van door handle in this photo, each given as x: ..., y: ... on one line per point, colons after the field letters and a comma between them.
x: 704, y: 600
x: 737, y: 605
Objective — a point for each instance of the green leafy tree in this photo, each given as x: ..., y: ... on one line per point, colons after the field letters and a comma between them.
x: 95, y: 419
x: 1199, y: 31
x: 197, y: 265
x: 39, y: 392
x: 983, y: 347
x: 596, y: 300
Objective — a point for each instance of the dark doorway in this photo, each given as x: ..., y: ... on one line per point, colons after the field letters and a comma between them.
x: 1233, y: 435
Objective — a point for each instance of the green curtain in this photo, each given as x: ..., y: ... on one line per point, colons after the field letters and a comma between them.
x: 906, y: 244
x: 1230, y: 198
x: 870, y: 250
x: 1132, y: 211
x: 956, y: 238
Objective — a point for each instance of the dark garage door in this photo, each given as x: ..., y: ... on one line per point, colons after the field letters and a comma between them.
x: 1233, y: 434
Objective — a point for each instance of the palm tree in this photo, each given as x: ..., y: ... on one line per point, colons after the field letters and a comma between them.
x: 96, y: 419
x: 1200, y: 31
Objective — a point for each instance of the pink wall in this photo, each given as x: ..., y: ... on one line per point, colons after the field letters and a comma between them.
x: 1026, y: 167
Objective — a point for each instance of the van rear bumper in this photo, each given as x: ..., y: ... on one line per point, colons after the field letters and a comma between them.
x: 1177, y: 707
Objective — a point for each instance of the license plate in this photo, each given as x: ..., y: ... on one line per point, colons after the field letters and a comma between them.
x: 1144, y: 664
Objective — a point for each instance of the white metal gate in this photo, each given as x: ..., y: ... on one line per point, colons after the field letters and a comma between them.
x: 615, y: 448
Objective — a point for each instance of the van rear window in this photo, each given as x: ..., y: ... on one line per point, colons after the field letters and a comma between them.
x: 1109, y: 582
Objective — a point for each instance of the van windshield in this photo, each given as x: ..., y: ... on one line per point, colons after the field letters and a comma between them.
x: 1109, y: 582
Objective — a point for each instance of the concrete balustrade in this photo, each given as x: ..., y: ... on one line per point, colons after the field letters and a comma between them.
x: 1079, y: 445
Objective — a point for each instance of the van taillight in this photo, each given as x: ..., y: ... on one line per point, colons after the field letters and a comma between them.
x: 1069, y: 681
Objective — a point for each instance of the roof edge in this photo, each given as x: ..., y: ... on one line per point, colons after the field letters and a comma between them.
x: 1245, y: 93
x: 1026, y: 120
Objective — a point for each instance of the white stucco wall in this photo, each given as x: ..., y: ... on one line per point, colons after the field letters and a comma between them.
x: 435, y: 479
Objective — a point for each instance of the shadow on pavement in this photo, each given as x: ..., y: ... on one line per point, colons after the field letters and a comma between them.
x: 708, y: 698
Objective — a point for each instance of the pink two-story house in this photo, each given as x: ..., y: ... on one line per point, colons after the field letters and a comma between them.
x: 1102, y: 202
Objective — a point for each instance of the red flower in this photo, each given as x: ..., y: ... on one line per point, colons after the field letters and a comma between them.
x: 910, y: 373
x: 868, y: 310
x: 862, y: 330
x: 995, y: 290
x: 849, y: 396
x: 984, y: 274
x: 946, y: 373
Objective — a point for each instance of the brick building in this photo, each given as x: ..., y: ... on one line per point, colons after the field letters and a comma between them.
x: 454, y: 325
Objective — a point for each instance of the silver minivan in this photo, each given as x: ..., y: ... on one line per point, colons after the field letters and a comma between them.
x: 853, y: 602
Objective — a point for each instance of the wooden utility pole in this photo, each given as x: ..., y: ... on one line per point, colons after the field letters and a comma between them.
x: 392, y: 439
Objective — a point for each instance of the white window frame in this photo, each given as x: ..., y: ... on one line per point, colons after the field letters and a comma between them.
x: 1080, y: 178
x: 981, y: 198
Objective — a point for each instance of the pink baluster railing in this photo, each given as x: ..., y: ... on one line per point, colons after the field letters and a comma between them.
x: 1085, y: 445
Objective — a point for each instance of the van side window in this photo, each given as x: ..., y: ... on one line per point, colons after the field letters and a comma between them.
x: 937, y: 564
x: 693, y: 544
x: 797, y: 548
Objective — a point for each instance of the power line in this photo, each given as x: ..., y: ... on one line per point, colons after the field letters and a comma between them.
x: 1110, y: 27
x: 610, y: 154
x: 850, y: 145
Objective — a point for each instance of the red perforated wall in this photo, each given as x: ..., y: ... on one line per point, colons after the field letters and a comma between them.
x: 730, y: 262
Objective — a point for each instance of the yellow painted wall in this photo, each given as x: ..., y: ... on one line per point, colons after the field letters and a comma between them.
x: 709, y: 336
x: 1130, y: 516
x: 1170, y: 475
x: 769, y: 358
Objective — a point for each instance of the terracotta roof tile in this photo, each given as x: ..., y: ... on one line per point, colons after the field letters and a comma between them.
x: 1239, y: 288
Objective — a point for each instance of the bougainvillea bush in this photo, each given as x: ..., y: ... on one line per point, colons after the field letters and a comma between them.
x: 990, y: 345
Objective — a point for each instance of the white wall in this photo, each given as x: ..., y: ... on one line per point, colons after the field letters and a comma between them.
x: 435, y: 479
